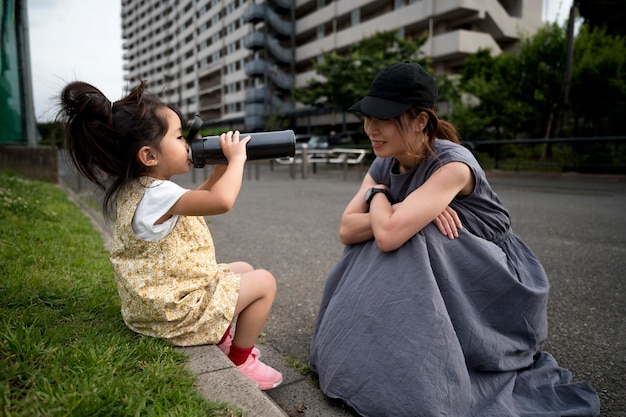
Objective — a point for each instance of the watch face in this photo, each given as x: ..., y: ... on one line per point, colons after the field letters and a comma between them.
x: 369, y: 194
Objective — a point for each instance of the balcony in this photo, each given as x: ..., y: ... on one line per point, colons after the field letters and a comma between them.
x: 258, y: 40
x: 261, y: 68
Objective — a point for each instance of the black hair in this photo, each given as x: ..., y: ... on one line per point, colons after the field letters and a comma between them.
x: 103, y: 138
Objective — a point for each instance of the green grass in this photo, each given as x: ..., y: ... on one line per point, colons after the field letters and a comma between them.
x: 64, y: 349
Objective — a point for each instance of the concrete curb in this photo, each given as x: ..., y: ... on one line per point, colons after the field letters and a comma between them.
x: 217, y: 378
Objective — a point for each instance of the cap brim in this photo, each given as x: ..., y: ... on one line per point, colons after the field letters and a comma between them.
x: 379, y: 108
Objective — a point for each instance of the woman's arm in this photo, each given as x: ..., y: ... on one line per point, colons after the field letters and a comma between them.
x: 356, y: 226
x: 356, y: 223
x: 393, y: 226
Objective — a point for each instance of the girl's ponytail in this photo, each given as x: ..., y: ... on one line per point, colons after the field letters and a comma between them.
x: 88, y: 117
x: 104, y: 138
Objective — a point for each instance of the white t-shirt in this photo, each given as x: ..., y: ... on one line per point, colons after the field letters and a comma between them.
x: 157, y: 200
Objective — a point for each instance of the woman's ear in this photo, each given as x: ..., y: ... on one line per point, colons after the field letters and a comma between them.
x: 147, y: 156
x: 421, y: 121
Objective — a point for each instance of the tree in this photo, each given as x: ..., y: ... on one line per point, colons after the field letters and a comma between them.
x: 604, y: 14
x: 516, y: 93
x: 343, y: 79
x: 487, y: 101
x: 599, y: 83
x: 538, y: 78
x: 599, y: 95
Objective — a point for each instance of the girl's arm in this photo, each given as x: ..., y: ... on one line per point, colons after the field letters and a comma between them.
x: 218, y: 193
x: 392, y: 227
x: 216, y: 174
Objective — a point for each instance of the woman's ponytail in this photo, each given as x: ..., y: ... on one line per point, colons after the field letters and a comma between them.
x: 446, y: 130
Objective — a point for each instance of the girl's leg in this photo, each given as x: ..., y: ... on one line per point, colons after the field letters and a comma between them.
x: 225, y: 343
x: 256, y: 296
x: 240, y: 267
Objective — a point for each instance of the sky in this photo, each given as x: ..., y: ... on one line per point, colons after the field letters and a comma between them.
x: 74, y: 40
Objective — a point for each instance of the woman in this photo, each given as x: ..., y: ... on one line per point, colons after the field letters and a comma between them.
x: 413, y: 322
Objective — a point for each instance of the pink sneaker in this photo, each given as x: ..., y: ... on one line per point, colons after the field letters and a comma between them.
x: 265, y: 377
x: 225, y: 347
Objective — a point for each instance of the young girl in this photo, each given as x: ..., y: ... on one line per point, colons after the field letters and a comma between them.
x: 163, y: 257
x: 417, y: 322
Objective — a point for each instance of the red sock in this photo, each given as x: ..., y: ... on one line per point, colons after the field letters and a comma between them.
x: 223, y: 339
x: 239, y: 355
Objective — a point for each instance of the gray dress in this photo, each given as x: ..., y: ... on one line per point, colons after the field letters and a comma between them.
x: 443, y: 327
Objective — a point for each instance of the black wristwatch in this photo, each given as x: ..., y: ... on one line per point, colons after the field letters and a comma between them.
x: 369, y: 194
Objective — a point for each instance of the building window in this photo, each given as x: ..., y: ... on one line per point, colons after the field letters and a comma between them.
x: 356, y: 17
x: 398, y: 4
x: 320, y: 32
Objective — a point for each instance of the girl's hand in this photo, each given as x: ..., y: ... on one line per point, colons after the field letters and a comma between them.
x: 234, y: 149
x: 448, y: 223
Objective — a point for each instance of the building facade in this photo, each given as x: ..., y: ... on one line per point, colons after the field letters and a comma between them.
x: 17, y: 113
x: 236, y: 62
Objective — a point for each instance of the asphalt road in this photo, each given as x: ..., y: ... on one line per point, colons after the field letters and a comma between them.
x: 576, y: 224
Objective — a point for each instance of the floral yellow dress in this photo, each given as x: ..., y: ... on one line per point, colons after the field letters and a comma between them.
x: 172, y: 288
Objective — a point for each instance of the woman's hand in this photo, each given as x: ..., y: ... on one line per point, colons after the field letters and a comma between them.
x: 448, y: 223
x: 234, y: 149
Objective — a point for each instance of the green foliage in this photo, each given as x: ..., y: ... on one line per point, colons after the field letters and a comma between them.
x: 604, y: 14
x: 302, y: 368
x: 599, y: 83
x: 520, y: 94
x: 345, y: 78
x: 51, y: 134
x: 484, y: 108
x: 277, y: 121
x: 514, y: 93
x: 536, y: 78
x: 64, y: 349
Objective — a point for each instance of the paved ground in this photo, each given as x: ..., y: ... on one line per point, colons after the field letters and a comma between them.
x: 576, y: 224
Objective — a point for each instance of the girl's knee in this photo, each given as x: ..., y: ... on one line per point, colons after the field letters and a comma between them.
x: 269, y: 280
x: 260, y: 281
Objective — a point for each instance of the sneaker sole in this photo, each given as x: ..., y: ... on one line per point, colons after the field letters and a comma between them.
x: 268, y: 386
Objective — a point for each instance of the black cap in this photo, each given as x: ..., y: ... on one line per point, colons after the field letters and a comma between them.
x: 395, y: 89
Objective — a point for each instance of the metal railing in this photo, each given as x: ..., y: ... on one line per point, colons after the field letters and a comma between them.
x: 576, y: 160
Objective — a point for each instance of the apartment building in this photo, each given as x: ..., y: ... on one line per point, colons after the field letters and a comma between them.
x: 236, y: 62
